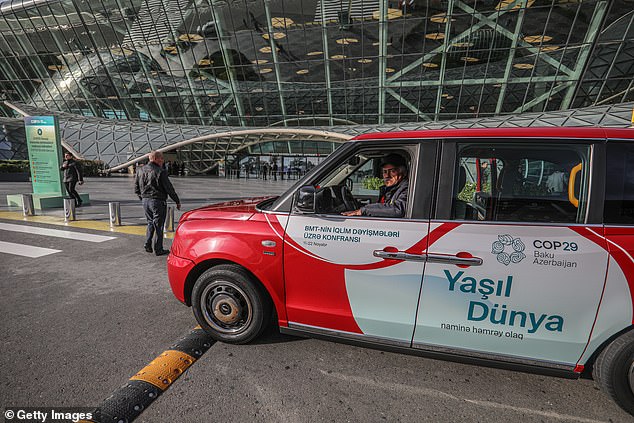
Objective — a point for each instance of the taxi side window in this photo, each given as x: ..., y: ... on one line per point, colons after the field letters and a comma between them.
x: 521, y: 183
x: 619, y: 187
x: 353, y: 183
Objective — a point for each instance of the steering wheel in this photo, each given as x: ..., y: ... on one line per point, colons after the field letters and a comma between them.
x: 348, y: 199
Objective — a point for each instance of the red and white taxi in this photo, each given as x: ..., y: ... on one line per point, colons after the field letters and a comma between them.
x: 515, y: 250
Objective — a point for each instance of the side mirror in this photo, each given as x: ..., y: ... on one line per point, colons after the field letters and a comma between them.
x: 305, y: 200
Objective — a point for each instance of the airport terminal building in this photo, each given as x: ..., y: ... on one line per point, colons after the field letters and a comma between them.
x: 223, y: 83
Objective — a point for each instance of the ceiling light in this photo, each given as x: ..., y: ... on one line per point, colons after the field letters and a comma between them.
x: 281, y: 22
x: 504, y: 4
x: 533, y: 39
x: 390, y: 14
x: 462, y: 44
x: 194, y: 38
x: 276, y: 36
x: 267, y: 49
x: 345, y: 41
x: 435, y: 36
x: 440, y: 18
x: 121, y: 51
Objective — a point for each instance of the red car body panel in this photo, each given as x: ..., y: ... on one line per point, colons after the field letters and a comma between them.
x: 236, y: 236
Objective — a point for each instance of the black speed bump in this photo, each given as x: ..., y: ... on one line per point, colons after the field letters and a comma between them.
x: 130, y: 400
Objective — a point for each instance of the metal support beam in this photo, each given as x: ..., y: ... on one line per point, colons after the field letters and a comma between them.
x: 443, y: 60
x: 382, y: 58
x: 543, y: 97
x: 324, y: 40
x: 148, y: 75
x: 222, y: 107
x: 478, y: 81
x: 95, y: 46
x: 458, y: 37
x: 408, y: 104
x: 509, y: 62
x: 276, y: 63
x: 190, y: 83
x: 228, y: 62
x: 492, y: 23
x: 60, y: 46
x: 586, y: 48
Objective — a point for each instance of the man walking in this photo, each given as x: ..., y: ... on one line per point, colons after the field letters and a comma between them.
x: 152, y: 185
x: 72, y: 176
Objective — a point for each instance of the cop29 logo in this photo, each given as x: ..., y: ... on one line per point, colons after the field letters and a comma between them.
x: 508, y: 249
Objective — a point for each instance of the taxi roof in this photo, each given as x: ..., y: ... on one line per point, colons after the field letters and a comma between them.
x: 585, y: 132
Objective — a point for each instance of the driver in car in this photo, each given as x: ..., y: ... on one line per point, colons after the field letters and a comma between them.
x: 393, y: 194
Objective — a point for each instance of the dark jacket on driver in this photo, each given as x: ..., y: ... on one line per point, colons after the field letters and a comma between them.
x: 392, y: 202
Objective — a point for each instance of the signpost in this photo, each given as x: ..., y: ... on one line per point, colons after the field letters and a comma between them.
x: 45, y: 154
x: 45, y: 159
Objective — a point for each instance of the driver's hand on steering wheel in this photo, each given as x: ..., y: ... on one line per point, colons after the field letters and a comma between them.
x: 356, y: 212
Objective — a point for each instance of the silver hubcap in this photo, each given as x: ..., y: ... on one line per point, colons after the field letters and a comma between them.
x: 226, y: 307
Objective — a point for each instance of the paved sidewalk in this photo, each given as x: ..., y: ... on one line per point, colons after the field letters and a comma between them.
x: 193, y: 192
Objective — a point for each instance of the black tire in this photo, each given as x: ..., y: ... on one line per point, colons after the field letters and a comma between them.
x: 230, y: 305
x: 613, y: 371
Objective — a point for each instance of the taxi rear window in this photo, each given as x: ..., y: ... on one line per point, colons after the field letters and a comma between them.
x: 521, y: 182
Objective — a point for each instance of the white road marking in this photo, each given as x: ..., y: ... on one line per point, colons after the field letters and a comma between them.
x: 550, y: 415
x: 36, y: 230
x: 25, y: 250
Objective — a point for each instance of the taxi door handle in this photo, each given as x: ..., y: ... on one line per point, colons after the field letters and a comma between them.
x: 392, y: 253
x: 399, y: 255
x: 454, y: 259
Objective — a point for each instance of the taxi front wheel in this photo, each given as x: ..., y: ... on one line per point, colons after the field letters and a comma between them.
x: 230, y: 305
x: 613, y: 371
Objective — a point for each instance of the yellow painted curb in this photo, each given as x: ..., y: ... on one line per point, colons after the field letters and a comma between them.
x: 165, y: 369
x: 84, y: 224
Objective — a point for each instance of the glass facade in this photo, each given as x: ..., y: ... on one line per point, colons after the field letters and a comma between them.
x: 314, y: 62
x: 203, y: 77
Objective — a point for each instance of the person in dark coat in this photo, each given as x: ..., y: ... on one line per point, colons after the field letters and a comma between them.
x: 72, y: 176
x: 393, y: 194
x: 152, y: 186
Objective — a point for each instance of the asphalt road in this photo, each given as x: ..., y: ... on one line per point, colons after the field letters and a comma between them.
x: 77, y: 324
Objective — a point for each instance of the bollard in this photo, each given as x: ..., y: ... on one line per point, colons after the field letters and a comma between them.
x: 169, y: 220
x: 27, y: 205
x: 69, y: 210
x: 114, y: 208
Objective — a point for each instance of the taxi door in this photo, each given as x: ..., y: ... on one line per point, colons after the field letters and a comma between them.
x: 516, y: 272
x: 345, y: 275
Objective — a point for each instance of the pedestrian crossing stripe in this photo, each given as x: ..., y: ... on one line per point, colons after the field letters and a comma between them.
x: 37, y: 230
x: 25, y: 250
